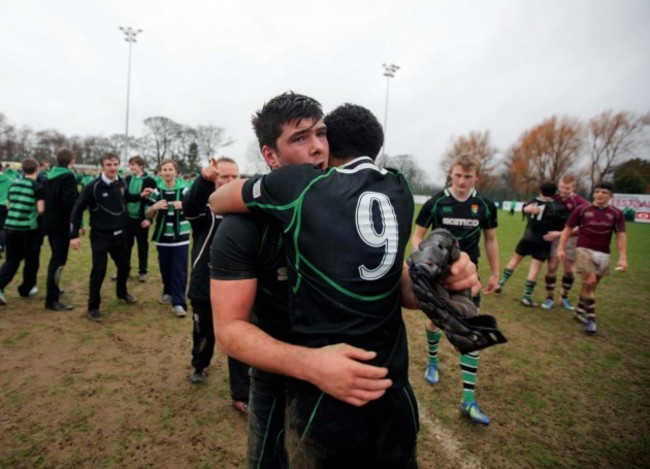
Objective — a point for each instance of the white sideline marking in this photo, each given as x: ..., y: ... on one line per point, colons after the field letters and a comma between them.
x: 450, y: 446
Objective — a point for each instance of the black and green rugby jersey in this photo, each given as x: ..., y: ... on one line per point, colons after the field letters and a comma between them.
x: 552, y: 217
x: 346, y: 232
x: 464, y: 220
x: 23, y: 213
x: 247, y: 247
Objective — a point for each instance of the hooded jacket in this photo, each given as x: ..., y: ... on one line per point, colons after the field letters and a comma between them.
x: 60, y: 194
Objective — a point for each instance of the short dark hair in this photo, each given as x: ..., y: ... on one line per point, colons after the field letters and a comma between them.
x: 108, y: 156
x: 64, y: 157
x: 137, y: 159
x: 608, y: 186
x: 353, y: 131
x: 548, y: 189
x: 287, y: 107
x: 29, y: 165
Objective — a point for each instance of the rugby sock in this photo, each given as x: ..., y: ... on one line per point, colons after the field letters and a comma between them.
x: 529, y: 287
x: 567, y: 283
x: 505, y: 276
x: 550, y: 285
x: 580, y: 309
x: 433, y: 340
x: 468, y: 370
x: 590, y: 310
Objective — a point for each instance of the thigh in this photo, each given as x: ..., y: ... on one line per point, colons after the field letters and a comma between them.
x: 584, y: 261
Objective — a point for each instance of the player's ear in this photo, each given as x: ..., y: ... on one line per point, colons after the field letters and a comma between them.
x: 270, y: 157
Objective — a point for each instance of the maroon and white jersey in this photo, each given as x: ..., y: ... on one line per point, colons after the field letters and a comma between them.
x: 596, y: 226
x: 572, y: 202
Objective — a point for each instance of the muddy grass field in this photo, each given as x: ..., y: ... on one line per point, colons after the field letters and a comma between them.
x: 74, y: 393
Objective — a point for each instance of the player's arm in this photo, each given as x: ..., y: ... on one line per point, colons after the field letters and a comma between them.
x: 336, y: 369
x: 531, y: 208
x: 418, y: 236
x: 621, y: 243
x: 492, y: 253
x: 564, y: 237
x: 228, y: 198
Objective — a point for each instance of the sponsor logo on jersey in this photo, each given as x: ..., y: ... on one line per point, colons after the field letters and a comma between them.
x: 474, y: 209
x: 283, y: 274
x: 459, y: 222
x: 447, y: 209
x: 589, y: 214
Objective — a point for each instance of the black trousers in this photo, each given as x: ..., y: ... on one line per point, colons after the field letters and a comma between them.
x: 103, y: 245
x: 59, y: 245
x: 21, y: 245
x: 203, y: 342
x: 135, y: 232
x: 3, y: 217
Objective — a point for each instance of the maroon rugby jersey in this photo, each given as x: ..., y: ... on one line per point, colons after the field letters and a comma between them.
x: 596, y: 226
x: 572, y: 202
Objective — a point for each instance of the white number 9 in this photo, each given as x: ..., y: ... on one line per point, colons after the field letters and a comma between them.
x: 387, y: 238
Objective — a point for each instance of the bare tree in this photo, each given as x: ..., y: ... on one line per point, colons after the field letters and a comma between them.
x: 255, y: 164
x: 612, y: 139
x: 478, y: 144
x: 407, y: 165
x: 163, y: 132
x: 210, y: 138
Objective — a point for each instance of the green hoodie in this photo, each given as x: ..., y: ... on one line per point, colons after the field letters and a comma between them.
x: 5, y: 182
x: 57, y: 171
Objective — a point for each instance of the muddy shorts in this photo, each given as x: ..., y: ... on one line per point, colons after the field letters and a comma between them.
x: 590, y: 261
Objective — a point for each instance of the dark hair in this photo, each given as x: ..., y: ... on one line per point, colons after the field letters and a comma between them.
x: 108, y: 156
x: 353, y: 131
x: 29, y: 165
x: 548, y: 189
x: 608, y: 186
x: 287, y: 107
x: 64, y: 157
x: 137, y: 159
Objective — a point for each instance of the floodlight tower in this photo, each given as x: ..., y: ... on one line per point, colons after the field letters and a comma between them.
x: 130, y: 36
x: 389, y: 72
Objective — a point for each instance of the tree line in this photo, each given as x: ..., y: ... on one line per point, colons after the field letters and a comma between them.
x: 612, y: 146
x: 162, y: 138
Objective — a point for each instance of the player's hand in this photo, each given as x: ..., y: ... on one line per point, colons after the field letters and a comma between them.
x: 146, y: 192
x: 493, y: 283
x: 560, y: 254
x: 160, y: 205
x: 552, y: 236
x: 210, y: 172
x: 178, y: 204
x: 82, y: 231
x: 75, y: 243
x: 463, y: 276
x: 337, y: 370
x: 145, y: 223
x: 622, y: 265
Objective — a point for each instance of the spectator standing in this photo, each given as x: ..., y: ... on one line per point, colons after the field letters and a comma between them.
x: 105, y: 197
x: 23, y: 235
x: 6, y: 178
x: 171, y: 236
x: 60, y: 195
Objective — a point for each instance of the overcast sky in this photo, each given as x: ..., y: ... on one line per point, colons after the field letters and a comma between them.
x: 465, y: 65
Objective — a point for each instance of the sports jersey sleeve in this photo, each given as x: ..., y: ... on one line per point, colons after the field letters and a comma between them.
x: 279, y: 192
x: 233, y: 253
x: 490, y: 220
x: 619, y: 227
x: 574, y: 218
x: 425, y: 217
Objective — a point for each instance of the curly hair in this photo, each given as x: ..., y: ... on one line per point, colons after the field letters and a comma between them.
x: 287, y: 107
x: 353, y: 131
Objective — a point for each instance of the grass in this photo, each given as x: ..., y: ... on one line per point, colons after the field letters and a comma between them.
x: 77, y: 394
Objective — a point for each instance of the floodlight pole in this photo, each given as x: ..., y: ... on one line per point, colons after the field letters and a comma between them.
x: 389, y: 72
x: 130, y: 36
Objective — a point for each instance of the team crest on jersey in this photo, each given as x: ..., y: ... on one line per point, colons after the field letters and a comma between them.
x: 609, y: 216
x: 474, y: 209
x: 104, y: 194
x: 589, y: 214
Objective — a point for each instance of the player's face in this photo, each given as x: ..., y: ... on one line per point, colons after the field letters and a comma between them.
x: 602, y: 197
x: 135, y: 169
x: 168, y: 172
x: 463, y: 180
x: 110, y: 167
x: 228, y: 172
x: 566, y: 189
x: 301, y: 141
